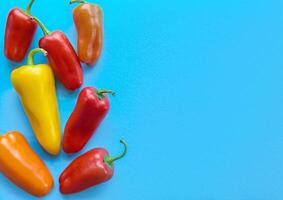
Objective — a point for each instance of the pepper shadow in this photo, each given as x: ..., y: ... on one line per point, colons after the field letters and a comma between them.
x: 64, y: 93
x: 96, y: 192
x: 13, y: 65
x: 94, y: 67
x: 43, y: 154
x: 69, y: 157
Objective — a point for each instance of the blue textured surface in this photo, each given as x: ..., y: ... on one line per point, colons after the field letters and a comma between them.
x: 200, y: 87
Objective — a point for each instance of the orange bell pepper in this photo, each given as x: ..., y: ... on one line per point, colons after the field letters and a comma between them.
x: 88, y: 19
x: 20, y: 164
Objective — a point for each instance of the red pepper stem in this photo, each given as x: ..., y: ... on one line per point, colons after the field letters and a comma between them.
x: 44, y: 29
x: 77, y: 1
x: 27, y: 11
x: 100, y: 93
x: 33, y: 52
x: 109, y: 159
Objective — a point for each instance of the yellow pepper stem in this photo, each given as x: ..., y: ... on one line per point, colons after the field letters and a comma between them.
x: 33, y: 52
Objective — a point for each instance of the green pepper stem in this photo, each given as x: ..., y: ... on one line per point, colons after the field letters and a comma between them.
x: 77, y: 1
x: 44, y: 29
x: 100, y: 93
x: 33, y: 52
x: 27, y: 11
x: 109, y: 159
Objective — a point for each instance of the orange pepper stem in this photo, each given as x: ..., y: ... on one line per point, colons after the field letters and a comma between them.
x: 33, y: 52
x: 100, y: 93
x: 109, y: 159
x: 44, y: 29
x: 77, y: 1
x: 27, y: 11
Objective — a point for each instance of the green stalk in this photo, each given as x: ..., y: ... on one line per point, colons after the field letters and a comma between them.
x: 43, y: 28
x: 77, y: 1
x: 109, y: 159
x: 27, y: 11
x: 33, y: 52
x: 101, y: 93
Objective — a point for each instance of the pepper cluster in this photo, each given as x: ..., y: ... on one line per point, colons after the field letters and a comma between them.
x: 35, y: 86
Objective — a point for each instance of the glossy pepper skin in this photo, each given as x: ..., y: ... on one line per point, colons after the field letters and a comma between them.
x: 91, y: 108
x: 20, y: 30
x: 21, y: 165
x: 36, y: 87
x: 88, y: 19
x: 62, y: 57
x: 88, y: 170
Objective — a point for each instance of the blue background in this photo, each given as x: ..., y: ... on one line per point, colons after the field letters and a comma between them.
x: 200, y: 90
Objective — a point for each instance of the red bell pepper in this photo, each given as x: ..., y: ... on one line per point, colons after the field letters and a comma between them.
x: 62, y: 57
x: 91, y: 108
x: 20, y: 30
x: 89, y: 169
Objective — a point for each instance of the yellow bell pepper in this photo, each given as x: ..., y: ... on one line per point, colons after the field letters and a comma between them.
x: 36, y: 87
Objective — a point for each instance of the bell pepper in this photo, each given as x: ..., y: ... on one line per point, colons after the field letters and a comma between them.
x: 21, y: 165
x: 20, y: 30
x: 88, y: 19
x: 36, y: 87
x: 91, y: 108
x: 62, y: 57
x: 90, y: 169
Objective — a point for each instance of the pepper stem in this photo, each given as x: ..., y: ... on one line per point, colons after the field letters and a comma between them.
x: 33, y: 52
x: 100, y: 93
x: 27, y: 11
x: 77, y: 1
x: 109, y: 160
x: 44, y: 29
